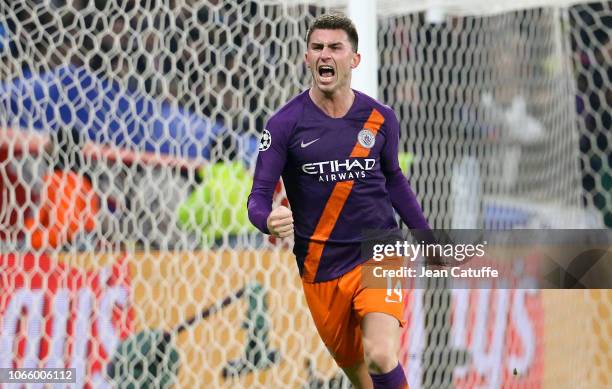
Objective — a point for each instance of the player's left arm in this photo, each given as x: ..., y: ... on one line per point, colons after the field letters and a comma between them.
x: 402, y: 197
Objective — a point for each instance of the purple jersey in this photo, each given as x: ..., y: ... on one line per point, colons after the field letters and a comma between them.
x: 341, y: 176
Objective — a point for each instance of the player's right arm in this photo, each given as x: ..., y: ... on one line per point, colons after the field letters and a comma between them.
x: 280, y: 222
x: 270, y: 164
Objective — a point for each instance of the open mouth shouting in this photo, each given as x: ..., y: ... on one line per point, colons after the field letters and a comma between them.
x: 326, y: 73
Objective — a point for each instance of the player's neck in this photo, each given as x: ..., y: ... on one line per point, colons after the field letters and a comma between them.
x: 334, y: 105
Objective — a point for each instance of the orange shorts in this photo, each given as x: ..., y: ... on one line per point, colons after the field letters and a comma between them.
x: 338, y: 306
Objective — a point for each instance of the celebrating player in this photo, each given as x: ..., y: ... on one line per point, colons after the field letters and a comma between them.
x: 337, y: 151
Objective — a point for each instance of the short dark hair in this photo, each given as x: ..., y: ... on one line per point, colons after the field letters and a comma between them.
x: 335, y: 21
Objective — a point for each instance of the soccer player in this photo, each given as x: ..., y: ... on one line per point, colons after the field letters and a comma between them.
x: 337, y: 151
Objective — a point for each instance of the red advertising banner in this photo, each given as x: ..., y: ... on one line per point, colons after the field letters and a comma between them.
x: 56, y: 316
x: 492, y: 338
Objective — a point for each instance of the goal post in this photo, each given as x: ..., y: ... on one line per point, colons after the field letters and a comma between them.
x: 504, y: 109
x: 365, y: 17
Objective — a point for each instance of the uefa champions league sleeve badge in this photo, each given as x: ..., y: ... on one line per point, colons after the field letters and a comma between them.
x: 366, y: 138
x: 265, y: 141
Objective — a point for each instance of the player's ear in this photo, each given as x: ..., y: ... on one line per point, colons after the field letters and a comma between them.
x: 306, y: 60
x: 355, y: 60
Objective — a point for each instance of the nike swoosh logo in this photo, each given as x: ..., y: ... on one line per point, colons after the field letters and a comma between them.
x: 309, y: 143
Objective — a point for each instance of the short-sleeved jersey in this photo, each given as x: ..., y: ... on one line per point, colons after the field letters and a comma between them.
x: 336, y: 173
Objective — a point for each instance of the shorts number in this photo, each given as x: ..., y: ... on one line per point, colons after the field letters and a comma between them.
x: 394, y: 293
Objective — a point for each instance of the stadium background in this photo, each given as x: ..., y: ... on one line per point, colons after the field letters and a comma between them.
x: 506, y: 119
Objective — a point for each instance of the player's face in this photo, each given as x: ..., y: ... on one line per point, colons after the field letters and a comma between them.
x: 330, y: 58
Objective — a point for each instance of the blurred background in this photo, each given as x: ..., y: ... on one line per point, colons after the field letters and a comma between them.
x: 128, y: 135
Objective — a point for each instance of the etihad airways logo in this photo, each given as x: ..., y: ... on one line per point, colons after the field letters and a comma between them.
x: 339, y: 170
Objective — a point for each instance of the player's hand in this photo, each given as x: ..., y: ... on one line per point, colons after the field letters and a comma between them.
x: 280, y: 222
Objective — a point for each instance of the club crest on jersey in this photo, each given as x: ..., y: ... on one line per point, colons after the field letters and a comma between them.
x: 265, y: 141
x: 366, y: 138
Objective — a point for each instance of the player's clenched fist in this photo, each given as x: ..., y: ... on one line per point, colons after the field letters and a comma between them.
x: 280, y: 222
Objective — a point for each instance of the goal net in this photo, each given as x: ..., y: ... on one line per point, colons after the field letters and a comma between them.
x: 152, y: 111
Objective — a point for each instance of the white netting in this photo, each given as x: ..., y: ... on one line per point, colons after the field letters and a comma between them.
x: 487, y: 106
x: 505, y: 115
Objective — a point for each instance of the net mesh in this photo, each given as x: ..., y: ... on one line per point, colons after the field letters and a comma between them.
x: 505, y: 123
x: 486, y: 104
